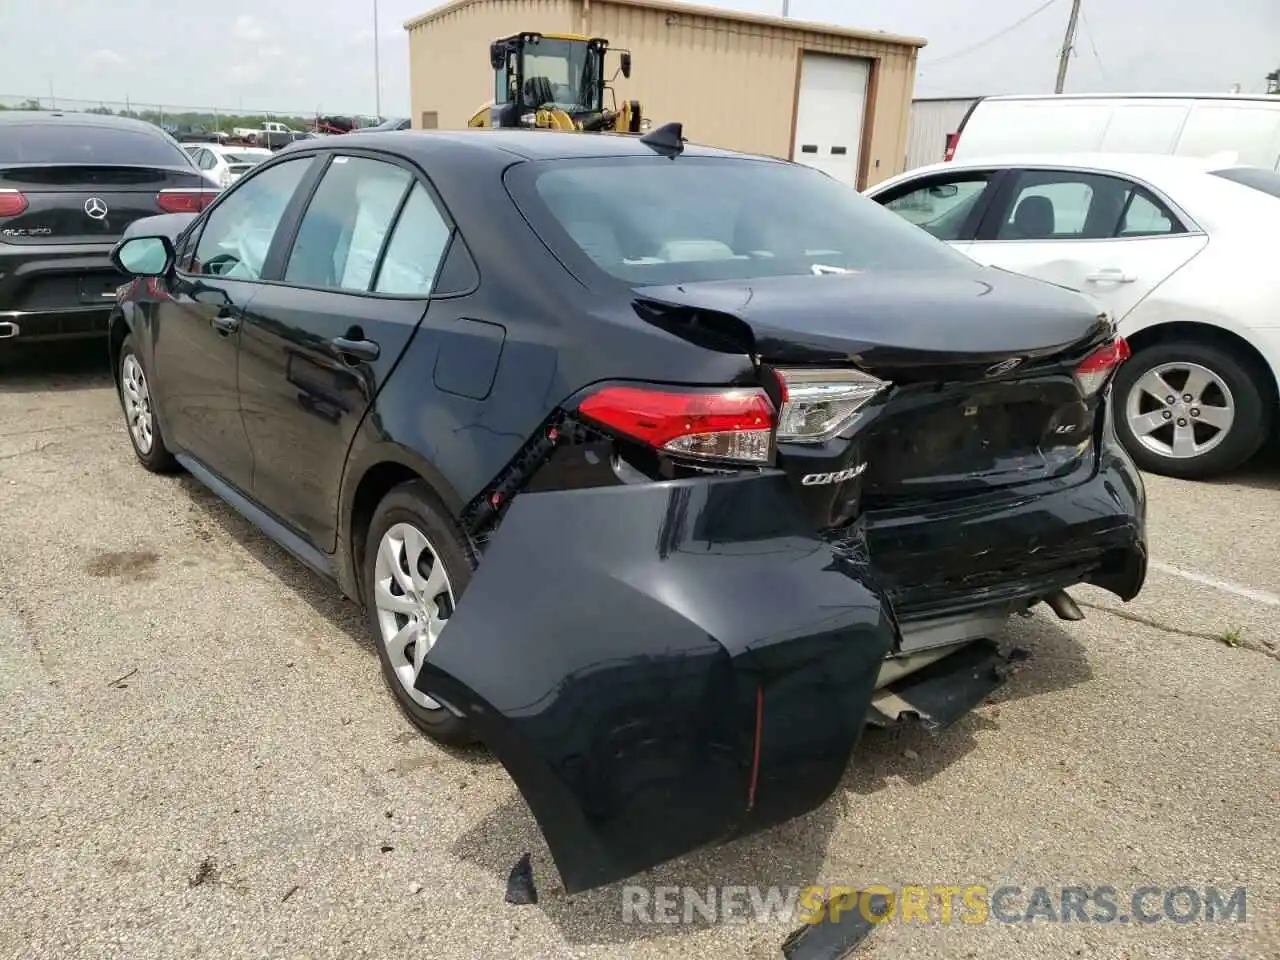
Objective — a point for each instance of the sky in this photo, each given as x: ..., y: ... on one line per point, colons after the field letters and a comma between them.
x: 303, y: 56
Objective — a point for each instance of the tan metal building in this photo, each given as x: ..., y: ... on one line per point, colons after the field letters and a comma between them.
x: 831, y: 97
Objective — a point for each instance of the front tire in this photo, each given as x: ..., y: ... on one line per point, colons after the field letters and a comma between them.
x: 1190, y: 409
x: 416, y: 565
x: 134, y: 387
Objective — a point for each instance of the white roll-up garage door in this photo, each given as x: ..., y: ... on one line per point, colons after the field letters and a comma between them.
x: 829, y: 114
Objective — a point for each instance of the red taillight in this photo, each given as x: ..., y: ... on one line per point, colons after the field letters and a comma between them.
x: 1093, y: 372
x: 12, y: 203
x: 733, y: 424
x: 953, y: 140
x: 184, y: 201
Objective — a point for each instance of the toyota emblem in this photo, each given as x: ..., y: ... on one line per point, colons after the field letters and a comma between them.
x: 95, y: 208
x: 1004, y: 366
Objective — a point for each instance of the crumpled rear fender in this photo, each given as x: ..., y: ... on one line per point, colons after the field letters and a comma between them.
x: 663, y: 666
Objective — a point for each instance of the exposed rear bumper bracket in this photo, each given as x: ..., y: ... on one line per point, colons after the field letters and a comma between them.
x: 942, y: 692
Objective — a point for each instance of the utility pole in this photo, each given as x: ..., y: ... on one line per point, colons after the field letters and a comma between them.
x: 786, y: 7
x: 1068, y: 42
x: 377, y: 70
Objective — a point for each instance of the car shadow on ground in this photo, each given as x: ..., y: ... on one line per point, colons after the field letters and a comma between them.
x: 1050, y: 659
x: 793, y: 853
x: 1260, y: 473
x: 781, y: 857
x: 320, y: 594
x: 70, y: 365
x: 784, y: 856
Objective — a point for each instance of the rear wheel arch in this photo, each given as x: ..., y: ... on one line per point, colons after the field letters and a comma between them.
x: 1242, y: 368
x: 382, y: 474
x: 1216, y: 336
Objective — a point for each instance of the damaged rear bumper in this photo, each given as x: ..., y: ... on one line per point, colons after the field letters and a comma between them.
x: 665, y: 666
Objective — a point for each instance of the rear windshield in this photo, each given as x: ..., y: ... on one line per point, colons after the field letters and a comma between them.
x: 660, y: 221
x: 1255, y: 177
x: 85, y: 143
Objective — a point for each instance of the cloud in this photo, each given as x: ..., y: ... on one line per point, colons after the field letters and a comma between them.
x: 105, y: 58
x: 246, y: 73
x: 386, y: 33
x: 247, y: 28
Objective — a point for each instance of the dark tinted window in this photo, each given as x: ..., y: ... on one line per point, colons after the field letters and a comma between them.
x: 1254, y: 177
x: 86, y: 143
x: 654, y: 220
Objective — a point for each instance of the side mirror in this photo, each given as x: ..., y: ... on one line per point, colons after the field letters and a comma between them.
x: 144, y: 256
x: 626, y: 65
x: 497, y: 55
x: 944, y: 191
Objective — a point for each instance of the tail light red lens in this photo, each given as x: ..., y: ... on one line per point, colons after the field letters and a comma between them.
x: 1093, y: 373
x: 732, y: 425
x: 12, y: 203
x: 185, y: 201
x: 953, y: 140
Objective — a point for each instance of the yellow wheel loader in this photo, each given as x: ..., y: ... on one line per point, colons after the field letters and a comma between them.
x: 556, y: 81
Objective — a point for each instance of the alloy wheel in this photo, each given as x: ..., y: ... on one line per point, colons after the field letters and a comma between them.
x: 1180, y: 410
x: 414, y: 601
x: 137, y: 404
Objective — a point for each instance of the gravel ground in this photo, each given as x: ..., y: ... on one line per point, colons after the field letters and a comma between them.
x: 197, y: 757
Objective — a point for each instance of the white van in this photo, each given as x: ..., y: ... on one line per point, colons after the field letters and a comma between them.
x: 1185, y: 125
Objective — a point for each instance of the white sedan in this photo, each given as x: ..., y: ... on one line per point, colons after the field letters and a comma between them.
x: 222, y: 164
x: 1182, y: 253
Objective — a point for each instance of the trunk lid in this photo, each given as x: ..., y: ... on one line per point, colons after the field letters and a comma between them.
x: 981, y: 364
x: 903, y: 327
x: 86, y: 203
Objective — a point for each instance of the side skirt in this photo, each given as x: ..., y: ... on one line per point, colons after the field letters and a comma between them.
x: 316, y: 560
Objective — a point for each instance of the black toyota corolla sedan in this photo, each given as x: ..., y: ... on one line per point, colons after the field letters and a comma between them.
x: 661, y: 470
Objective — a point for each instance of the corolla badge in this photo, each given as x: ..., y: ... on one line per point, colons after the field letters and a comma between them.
x: 95, y: 208
x: 1004, y: 366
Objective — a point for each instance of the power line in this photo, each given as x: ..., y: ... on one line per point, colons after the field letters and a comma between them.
x: 1088, y: 32
x: 991, y: 39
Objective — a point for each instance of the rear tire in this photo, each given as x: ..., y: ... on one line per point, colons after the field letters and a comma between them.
x: 1223, y: 424
x: 133, y: 385
x: 416, y: 565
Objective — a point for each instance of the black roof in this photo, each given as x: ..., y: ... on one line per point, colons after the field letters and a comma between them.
x: 525, y: 144
x: 71, y: 118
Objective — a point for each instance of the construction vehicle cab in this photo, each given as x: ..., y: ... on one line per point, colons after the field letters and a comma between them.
x: 555, y: 81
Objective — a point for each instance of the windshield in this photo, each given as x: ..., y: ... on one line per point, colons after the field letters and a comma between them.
x: 558, y: 73
x: 698, y: 218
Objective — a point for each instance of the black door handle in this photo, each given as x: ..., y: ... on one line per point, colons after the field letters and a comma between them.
x: 365, y: 350
x: 226, y: 323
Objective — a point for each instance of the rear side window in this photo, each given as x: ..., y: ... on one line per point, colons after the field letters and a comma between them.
x: 86, y: 143
x: 656, y: 220
x: 1253, y: 177
x: 1066, y: 205
x: 417, y: 246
